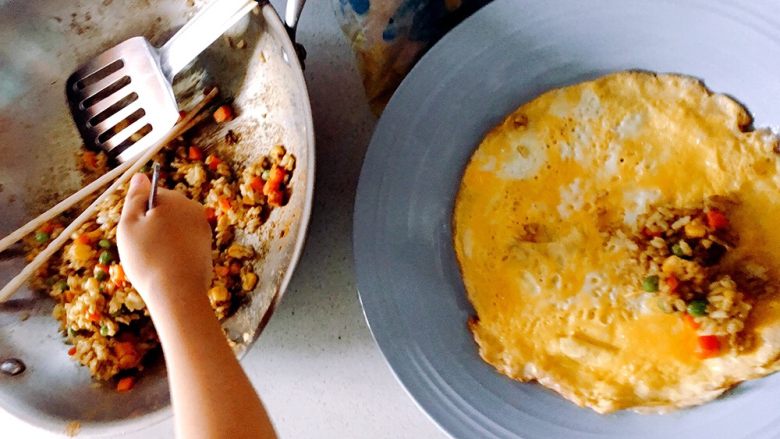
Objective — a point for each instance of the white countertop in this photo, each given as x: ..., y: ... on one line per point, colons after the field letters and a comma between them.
x: 316, y: 367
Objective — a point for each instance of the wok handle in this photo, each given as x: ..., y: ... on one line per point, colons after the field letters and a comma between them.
x: 291, y: 15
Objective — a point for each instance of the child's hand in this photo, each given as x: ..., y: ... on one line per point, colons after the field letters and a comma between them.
x: 166, y: 251
x: 166, y: 254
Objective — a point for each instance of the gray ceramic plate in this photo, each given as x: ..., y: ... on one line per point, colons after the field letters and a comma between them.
x: 503, y: 56
x: 42, y: 42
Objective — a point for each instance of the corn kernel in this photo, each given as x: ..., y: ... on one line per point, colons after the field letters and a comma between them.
x: 239, y: 251
x: 81, y: 252
x: 218, y: 293
x: 695, y: 229
x: 248, y: 281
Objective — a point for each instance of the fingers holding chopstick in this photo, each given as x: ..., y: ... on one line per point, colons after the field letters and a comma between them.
x: 193, y: 117
x: 153, y: 189
x: 190, y: 120
x: 137, y: 196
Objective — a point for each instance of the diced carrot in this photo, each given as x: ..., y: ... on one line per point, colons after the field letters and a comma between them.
x: 275, y: 179
x: 42, y: 272
x: 716, y: 219
x: 195, y: 153
x: 72, y: 351
x: 47, y: 227
x: 690, y: 321
x: 224, y: 203
x: 127, y: 355
x: 650, y: 233
x: 117, y: 274
x: 257, y: 184
x: 276, y: 199
x: 221, y: 270
x: 673, y: 283
x: 94, y: 317
x: 709, y: 346
x: 223, y: 113
x: 235, y: 268
x: 213, y: 162
x: 83, y: 239
x: 124, y: 348
x: 125, y: 384
x: 211, y: 214
x: 276, y: 176
x: 89, y: 158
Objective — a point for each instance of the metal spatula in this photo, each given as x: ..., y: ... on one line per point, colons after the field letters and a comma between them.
x: 122, y: 100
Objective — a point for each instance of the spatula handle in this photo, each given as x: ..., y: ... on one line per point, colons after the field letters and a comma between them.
x: 198, y: 33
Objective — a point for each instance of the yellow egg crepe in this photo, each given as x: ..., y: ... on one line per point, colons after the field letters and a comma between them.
x: 551, y: 222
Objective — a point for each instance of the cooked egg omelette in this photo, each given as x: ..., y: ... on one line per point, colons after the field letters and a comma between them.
x: 546, y: 226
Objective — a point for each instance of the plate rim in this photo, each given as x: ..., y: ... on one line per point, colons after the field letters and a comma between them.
x: 451, y: 427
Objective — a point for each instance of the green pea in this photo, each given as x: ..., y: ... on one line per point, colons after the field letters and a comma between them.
x: 101, y: 275
x: 104, y: 243
x: 41, y: 236
x: 61, y: 286
x: 698, y: 307
x: 105, y: 257
x: 103, y: 330
x: 650, y: 283
x: 678, y: 251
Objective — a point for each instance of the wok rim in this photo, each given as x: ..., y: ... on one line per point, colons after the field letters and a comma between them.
x: 135, y: 424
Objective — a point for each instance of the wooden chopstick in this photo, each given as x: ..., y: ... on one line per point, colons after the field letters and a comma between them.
x: 63, y: 205
x: 190, y: 120
x: 181, y: 127
x: 184, y: 125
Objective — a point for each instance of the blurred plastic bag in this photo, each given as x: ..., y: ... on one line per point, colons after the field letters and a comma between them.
x: 389, y: 36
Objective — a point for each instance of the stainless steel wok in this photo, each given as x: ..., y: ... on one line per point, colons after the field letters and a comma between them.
x: 42, y: 42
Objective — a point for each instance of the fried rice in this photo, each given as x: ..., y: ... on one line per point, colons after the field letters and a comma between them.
x: 100, y: 313
x: 681, y: 251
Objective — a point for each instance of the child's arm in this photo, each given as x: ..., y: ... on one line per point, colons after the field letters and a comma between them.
x: 167, y: 256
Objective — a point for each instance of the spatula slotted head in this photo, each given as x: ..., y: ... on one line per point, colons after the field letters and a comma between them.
x: 121, y: 100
